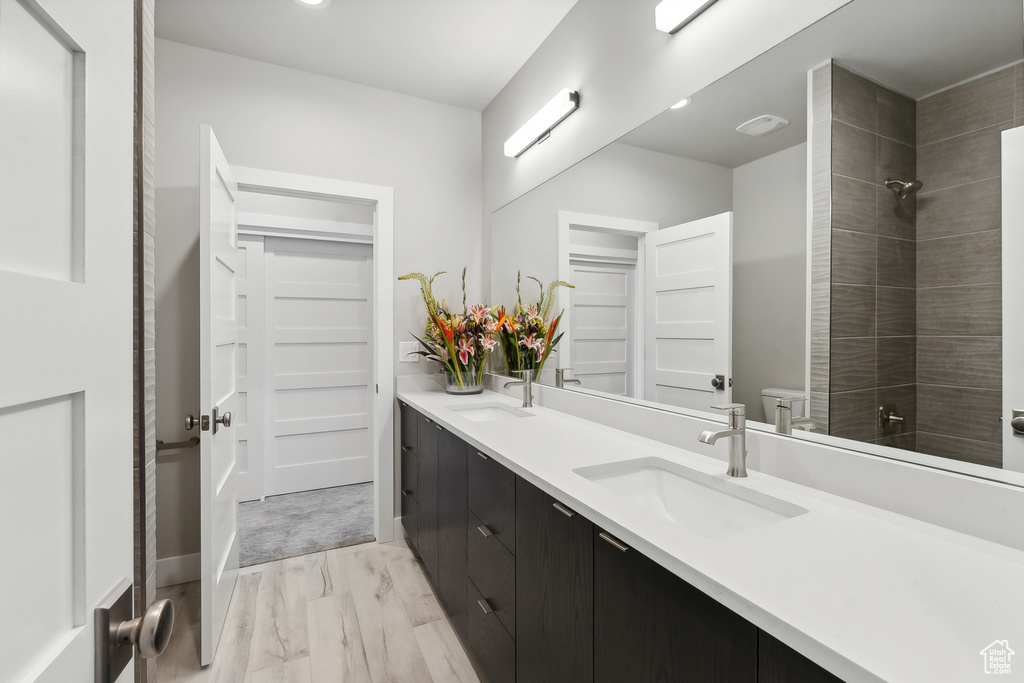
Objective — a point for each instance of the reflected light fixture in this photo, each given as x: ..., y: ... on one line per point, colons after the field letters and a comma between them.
x: 681, y: 103
x: 672, y: 15
x: 313, y: 3
x: 540, y: 124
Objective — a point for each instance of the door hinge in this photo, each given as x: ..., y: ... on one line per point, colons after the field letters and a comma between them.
x: 376, y: 388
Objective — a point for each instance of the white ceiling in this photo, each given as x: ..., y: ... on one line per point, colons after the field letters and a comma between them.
x: 458, y: 52
x: 916, y: 47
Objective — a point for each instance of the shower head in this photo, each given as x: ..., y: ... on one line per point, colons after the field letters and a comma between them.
x: 903, y: 189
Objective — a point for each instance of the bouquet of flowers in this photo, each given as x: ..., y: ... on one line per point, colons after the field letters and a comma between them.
x: 528, y: 334
x: 459, y: 341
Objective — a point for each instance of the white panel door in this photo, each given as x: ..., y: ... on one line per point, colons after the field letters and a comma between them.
x: 602, y: 323
x: 688, y: 313
x: 218, y: 365
x: 1013, y: 294
x: 249, y: 421
x: 66, y: 407
x: 318, y: 358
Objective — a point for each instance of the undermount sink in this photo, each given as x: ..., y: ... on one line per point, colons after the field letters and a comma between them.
x: 702, y: 503
x: 486, y: 412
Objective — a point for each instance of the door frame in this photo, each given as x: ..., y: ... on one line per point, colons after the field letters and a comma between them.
x: 383, y: 324
x: 567, y: 221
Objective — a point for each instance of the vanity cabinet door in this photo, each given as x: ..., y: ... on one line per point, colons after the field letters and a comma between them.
x: 451, y: 526
x: 650, y: 625
x: 410, y: 418
x: 554, y: 590
x: 427, y: 438
x: 408, y: 475
x: 779, y: 663
x: 492, y: 497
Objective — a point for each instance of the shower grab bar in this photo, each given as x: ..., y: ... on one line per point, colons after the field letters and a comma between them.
x: 161, y: 446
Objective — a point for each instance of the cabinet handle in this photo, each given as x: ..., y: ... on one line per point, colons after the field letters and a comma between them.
x: 614, y: 542
x: 482, y: 455
x: 429, y: 421
x: 439, y: 428
x: 484, y: 530
x: 406, y: 492
x: 485, y: 606
x: 564, y: 510
x: 405, y: 448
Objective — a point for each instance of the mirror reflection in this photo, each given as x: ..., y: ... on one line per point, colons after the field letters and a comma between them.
x: 841, y: 251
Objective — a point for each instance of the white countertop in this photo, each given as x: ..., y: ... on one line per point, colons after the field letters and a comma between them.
x: 868, y: 594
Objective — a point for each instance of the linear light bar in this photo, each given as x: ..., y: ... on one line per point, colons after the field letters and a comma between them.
x: 672, y: 15
x: 541, y: 123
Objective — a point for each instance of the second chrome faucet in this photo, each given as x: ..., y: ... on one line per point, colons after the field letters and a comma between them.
x: 737, y: 434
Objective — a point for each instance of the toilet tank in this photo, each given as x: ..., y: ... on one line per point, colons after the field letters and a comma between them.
x: 769, y: 396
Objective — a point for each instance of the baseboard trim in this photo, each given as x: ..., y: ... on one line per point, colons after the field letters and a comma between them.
x: 170, y: 571
x: 399, y: 529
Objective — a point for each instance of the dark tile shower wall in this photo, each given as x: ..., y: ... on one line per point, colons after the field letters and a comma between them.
x: 873, y: 270
x: 959, y: 276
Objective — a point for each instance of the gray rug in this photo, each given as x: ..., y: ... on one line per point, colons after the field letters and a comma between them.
x: 302, y: 523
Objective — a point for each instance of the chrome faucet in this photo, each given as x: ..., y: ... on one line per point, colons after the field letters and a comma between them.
x: 527, y: 383
x: 737, y: 432
x: 561, y: 381
x: 784, y: 421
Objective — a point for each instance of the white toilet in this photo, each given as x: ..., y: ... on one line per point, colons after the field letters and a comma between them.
x: 770, y: 395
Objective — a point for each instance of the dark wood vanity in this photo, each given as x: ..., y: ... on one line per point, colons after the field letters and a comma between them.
x: 538, y: 593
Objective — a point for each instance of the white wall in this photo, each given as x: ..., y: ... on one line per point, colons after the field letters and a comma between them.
x: 627, y: 72
x: 620, y: 181
x: 769, y: 276
x: 284, y: 120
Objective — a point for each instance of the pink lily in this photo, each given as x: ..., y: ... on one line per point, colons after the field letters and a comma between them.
x: 465, y: 351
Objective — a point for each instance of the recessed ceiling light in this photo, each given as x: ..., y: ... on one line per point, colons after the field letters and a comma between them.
x: 681, y: 103
x: 313, y: 3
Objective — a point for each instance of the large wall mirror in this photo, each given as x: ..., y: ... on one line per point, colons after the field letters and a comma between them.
x: 843, y: 253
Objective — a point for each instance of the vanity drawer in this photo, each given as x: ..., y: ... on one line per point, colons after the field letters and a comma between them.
x: 409, y: 422
x: 409, y: 472
x: 493, y: 647
x: 492, y: 497
x: 492, y: 568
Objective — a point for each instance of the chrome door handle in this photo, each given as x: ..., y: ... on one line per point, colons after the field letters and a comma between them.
x: 191, y: 421
x: 1017, y: 422
x: 118, y: 635
x: 151, y: 632
x: 224, y: 419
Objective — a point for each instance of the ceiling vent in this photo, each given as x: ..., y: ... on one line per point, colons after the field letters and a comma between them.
x: 762, y: 125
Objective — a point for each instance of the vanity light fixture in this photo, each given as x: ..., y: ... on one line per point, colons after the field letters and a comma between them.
x: 540, y: 125
x: 762, y: 125
x: 672, y: 15
x: 681, y: 103
x: 319, y: 4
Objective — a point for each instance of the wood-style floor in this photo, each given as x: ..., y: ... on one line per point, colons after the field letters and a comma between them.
x: 361, y: 613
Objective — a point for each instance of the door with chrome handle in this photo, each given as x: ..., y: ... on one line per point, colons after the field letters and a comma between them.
x: 119, y: 636
x: 203, y: 421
